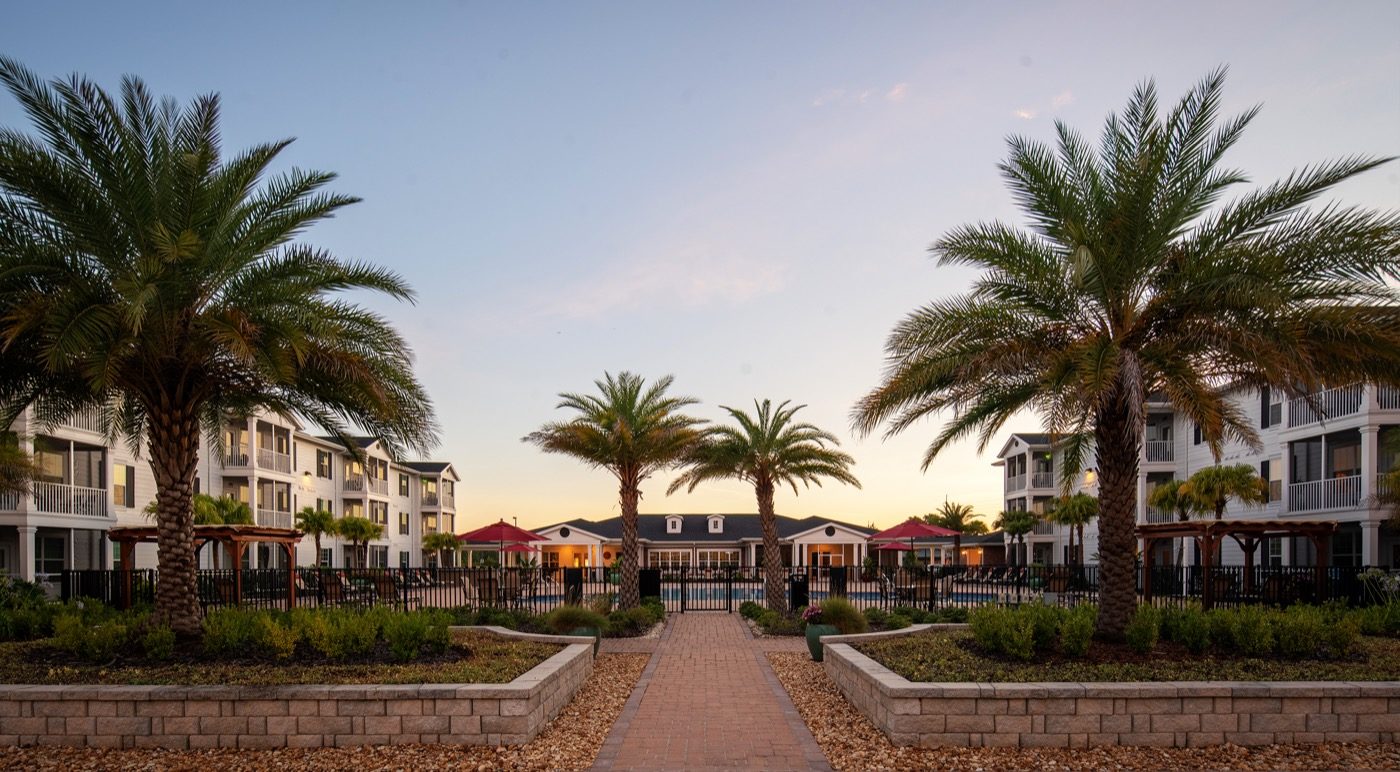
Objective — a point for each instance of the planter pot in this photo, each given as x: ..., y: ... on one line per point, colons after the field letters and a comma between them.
x: 589, y: 632
x: 814, y: 634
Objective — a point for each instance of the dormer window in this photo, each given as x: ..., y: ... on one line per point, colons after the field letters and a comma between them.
x: 716, y: 523
x: 673, y: 524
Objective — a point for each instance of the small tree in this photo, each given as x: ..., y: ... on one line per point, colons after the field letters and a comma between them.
x: 316, y: 523
x: 17, y: 468
x: 1170, y: 497
x: 958, y: 517
x: 443, y: 544
x: 1016, y: 523
x: 1214, y: 487
x: 1075, y: 512
x: 359, y: 531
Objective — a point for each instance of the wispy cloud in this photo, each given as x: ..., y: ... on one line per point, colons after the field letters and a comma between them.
x: 1062, y: 99
x: 898, y: 92
x: 691, y: 277
x: 829, y: 97
x: 1025, y: 113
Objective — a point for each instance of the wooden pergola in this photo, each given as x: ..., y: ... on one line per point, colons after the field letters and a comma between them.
x: 234, y: 538
x: 1249, y: 534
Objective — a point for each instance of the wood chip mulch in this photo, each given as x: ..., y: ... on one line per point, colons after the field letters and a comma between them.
x: 851, y: 742
x: 570, y: 742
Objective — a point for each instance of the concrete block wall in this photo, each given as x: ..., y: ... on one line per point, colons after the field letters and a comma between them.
x: 1077, y: 715
x: 182, y: 717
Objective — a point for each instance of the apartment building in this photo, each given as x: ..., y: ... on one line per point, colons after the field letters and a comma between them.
x: 1321, y: 463
x: 273, y: 464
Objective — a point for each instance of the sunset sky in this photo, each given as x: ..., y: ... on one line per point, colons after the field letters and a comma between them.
x: 738, y: 194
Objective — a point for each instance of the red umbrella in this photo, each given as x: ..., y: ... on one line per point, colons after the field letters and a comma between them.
x: 520, y: 548
x: 914, y: 528
x: 895, y: 546
x: 500, y: 532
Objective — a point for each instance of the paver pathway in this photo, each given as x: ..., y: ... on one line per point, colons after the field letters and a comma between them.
x: 709, y: 700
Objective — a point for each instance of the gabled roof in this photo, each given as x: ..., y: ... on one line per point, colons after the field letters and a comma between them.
x: 695, y: 527
x: 433, y: 467
x: 1034, y: 440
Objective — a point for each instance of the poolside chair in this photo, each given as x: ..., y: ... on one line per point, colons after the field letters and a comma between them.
x: 512, y: 589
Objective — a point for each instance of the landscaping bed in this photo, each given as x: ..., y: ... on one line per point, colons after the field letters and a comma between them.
x: 471, y: 657
x: 953, y: 656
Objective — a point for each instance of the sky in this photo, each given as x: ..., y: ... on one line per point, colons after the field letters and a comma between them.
x: 737, y: 194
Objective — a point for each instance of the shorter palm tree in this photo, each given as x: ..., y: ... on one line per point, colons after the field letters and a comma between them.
x: 17, y: 468
x: 957, y: 517
x: 359, y: 531
x: 1214, y: 487
x: 316, y: 523
x: 1172, y: 496
x: 443, y: 544
x: 767, y: 449
x: 213, y: 510
x: 1016, y: 523
x: 1075, y: 512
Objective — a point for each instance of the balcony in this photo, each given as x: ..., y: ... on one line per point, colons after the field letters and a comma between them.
x: 1388, y: 398
x: 89, y: 420
x: 58, y: 499
x: 448, y: 501
x: 1160, y: 451
x: 1336, y: 493
x: 1331, y: 403
x: 271, y: 518
x: 1043, y: 528
x: 1155, y: 515
x: 430, y: 499
x: 9, y: 502
x: 236, y: 458
x: 274, y: 461
x: 361, y: 484
x: 1017, y: 483
x: 1043, y: 480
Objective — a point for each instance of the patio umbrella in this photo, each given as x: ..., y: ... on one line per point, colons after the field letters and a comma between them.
x: 914, y: 528
x: 520, y: 548
x: 500, y: 532
x: 895, y: 546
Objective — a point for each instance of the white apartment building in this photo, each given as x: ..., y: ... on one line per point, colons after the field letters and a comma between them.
x: 1319, y: 466
x: 273, y: 464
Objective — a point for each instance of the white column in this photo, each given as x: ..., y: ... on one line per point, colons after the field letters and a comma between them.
x: 1141, y: 497
x: 1370, y: 543
x: 1369, y: 466
x: 1285, y: 476
x: 72, y: 551
x: 26, y: 552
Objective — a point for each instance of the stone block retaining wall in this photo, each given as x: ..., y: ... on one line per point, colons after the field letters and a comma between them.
x: 1078, y: 715
x: 297, y: 716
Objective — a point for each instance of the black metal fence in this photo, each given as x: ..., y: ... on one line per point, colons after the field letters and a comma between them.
x: 724, y: 588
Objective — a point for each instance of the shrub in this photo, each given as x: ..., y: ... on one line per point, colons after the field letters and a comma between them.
x: 1143, y: 629
x: 93, y: 642
x: 1224, y: 628
x: 1077, y: 630
x: 774, y: 623
x: 1254, y: 636
x: 632, y: 622
x: 565, y: 619
x: 319, y: 632
x: 1382, y: 619
x: 897, y: 622
x: 916, y: 615
x: 951, y: 615
x: 158, y: 642
x: 750, y: 610
x: 602, y: 603
x: 1002, y: 631
x: 276, y: 639
x: 357, y: 633
x: 1191, y: 629
x: 1341, y: 637
x: 407, y: 635
x: 231, y: 631
x: 1044, y: 622
x: 1297, y: 632
x: 842, y: 615
x: 876, y: 617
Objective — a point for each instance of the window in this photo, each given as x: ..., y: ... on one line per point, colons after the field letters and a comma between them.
x: 1195, y: 434
x: 403, y: 559
x: 716, y: 525
x: 717, y: 558
x: 1273, y: 551
x: 1264, y: 475
x: 48, y: 555
x: 1305, y: 460
x: 323, y: 464
x: 430, y: 523
x: 403, y: 486
x: 124, y: 485
x: 327, y: 557
x: 403, y: 523
x: 379, y: 512
x: 326, y: 505
x: 378, y: 556
x: 668, y: 559
x: 673, y: 525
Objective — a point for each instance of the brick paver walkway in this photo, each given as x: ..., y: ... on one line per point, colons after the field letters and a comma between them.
x: 709, y: 700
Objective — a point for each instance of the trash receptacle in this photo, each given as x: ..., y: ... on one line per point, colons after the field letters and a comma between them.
x: 797, y: 593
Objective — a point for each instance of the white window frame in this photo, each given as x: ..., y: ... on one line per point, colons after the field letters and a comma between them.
x: 668, y: 560
x: 717, y: 557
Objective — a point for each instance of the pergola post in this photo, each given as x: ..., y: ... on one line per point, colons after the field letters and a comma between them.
x: 238, y: 548
x: 1206, y: 544
x: 291, y: 575
x: 1147, y: 561
x: 128, y: 553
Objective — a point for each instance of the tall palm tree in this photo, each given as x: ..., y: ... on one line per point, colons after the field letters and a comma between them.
x: 17, y: 468
x: 359, y: 531
x: 316, y: 523
x: 1214, y: 487
x: 1075, y: 512
x: 1169, y: 496
x: 442, y: 544
x: 1016, y: 523
x: 1133, y: 279
x: 632, y: 430
x: 767, y: 449
x: 958, y: 517
x: 148, y: 277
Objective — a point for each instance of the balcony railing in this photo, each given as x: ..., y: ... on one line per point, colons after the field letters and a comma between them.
x: 1155, y: 515
x: 1043, y: 480
x: 447, y: 501
x: 1331, y: 403
x: 88, y: 421
x: 430, y: 499
x: 379, y: 486
x: 271, y: 459
x: 236, y: 458
x: 1160, y: 451
x: 271, y: 518
x: 1043, y: 528
x: 1336, y: 493
x: 9, y: 502
x: 1017, y: 483
x: 59, y: 499
x: 1388, y: 398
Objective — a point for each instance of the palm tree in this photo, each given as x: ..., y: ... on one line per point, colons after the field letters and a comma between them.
x: 359, y: 531
x: 1213, y: 487
x: 146, y: 276
x: 211, y: 510
x: 767, y: 449
x: 957, y: 517
x: 17, y: 468
x: 316, y: 523
x: 1016, y: 523
x: 1133, y: 280
x: 442, y: 544
x: 633, y: 431
x: 1170, y: 497
x: 1075, y: 512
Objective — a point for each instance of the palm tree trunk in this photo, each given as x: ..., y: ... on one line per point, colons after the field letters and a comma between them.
x: 1118, y: 436
x: 628, y: 591
x: 174, y: 447
x: 774, y: 591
